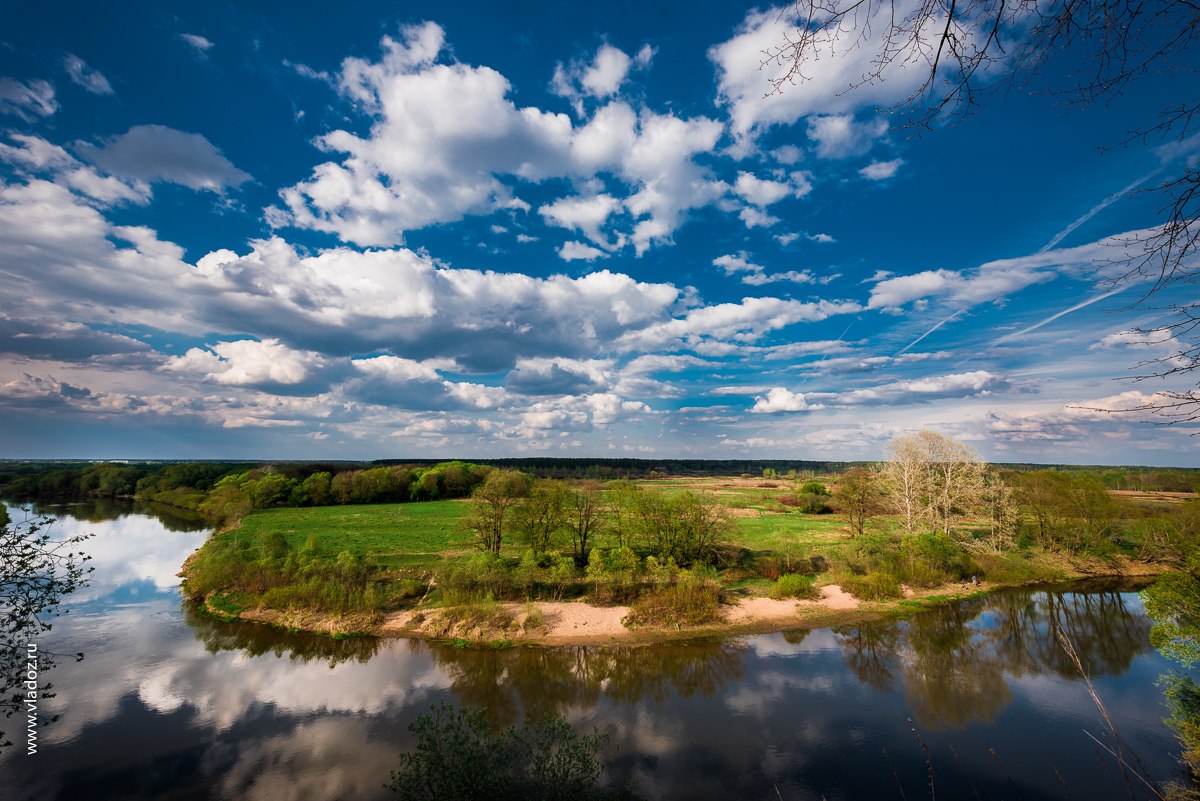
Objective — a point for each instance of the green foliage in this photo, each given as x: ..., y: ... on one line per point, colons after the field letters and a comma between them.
x: 1173, y: 603
x: 1073, y: 512
x: 266, y: 570
x: 478, y: 577
x: 457, y: 758
x: 794, y: 585
x: 36, y: 574
x: 874, y: 586
x: 492, y: 506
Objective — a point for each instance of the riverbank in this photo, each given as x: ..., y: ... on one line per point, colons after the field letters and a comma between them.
x: 568, y: 623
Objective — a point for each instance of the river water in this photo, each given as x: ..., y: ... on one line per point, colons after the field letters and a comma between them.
x: 171, y: 704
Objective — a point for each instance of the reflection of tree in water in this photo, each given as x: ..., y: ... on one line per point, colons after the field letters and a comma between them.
x: 99, y: 510
x: 1106, y: 636
x: 256, y: 639
x: 952, y: 677
x: 955, y: 658
x: 870, y: 652
x: 549, y: 681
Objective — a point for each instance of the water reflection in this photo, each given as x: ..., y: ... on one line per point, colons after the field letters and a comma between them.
x: 172, y: 703
x: 956, y: 661
x: 551, y: 681
x: 253, y: 640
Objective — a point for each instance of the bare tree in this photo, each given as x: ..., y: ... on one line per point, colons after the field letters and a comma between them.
x: 966, y: 49
x: 932, y: 479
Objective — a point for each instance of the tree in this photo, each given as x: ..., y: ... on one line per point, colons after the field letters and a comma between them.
x: 36, y: 572
x: 931, y: 479
x: 541, y: 516
x: 964, y: 49
x: 858, y: 496
x: 584, y: 517
x: 1001, y: 511
x: 491, y: 506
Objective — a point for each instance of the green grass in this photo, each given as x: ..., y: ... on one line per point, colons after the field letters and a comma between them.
x: 387, y: 535
x: 777, y: 532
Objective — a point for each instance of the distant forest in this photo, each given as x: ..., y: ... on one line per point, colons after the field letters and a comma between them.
x: 160, y: 480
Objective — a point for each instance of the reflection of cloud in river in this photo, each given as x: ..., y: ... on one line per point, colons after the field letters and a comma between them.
x: 331, y: 757
x: 126, y: 551
x: 225, y: 687
x: 792, y: 643
x: 162, y: 663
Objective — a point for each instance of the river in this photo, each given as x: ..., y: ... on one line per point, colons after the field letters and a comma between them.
x: 169, y: 703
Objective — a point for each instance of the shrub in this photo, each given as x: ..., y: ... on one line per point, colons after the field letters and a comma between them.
x: 793, y: 585
x: 691, y: 602
x: 875, y: 586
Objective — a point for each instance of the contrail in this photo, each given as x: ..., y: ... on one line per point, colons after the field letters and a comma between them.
x: 1099, y: 207
x: 1054, y: 317
x: 930, y: 331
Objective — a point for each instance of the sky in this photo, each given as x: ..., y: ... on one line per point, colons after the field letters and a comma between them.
x: 387, y: 230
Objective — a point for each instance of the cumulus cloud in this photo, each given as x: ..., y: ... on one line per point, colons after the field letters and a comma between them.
x: 587, y: 215
x: 779, y: 399
x: 757, y: 275
x: 601, y: 77
x: 247, y: 362
x: 762, y: 192
x: 745, y: 89
x: 446, y: 138
x: 578, y: 251
x: 556, y: 376
x: 27, y: 100
x: 83, y: 75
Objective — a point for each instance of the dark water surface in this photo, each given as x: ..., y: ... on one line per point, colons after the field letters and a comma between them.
x: 171, y: 704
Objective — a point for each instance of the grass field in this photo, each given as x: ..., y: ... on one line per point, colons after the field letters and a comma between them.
x: 392, y: 535
x: 417, y: 534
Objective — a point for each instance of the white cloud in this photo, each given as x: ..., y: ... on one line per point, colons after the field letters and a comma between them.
x: 198, y: 43
x: 822, y: 239
x: 602, y: 77
x: 881, y: 170
x: 745, y: 89
x: 779, y: 399
x: 587, y: 215
x: 36, y: 154
x: 157, y: 153
x: 756, y: 218
x: 89, y: 78
x: 445, y: 135
x: 578, y: 251
x: 978, y: 383
x: 756, y: 275
x: 761, y: 191
x: 27, y: 100
x: 248, y: 363
x: 839, y: 136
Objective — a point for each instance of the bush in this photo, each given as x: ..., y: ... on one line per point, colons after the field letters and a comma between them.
x: 875, y: 586
x: 793, y: 585
x: 691, y: 602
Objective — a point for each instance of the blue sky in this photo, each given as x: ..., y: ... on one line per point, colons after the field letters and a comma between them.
x: 365, y: 230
